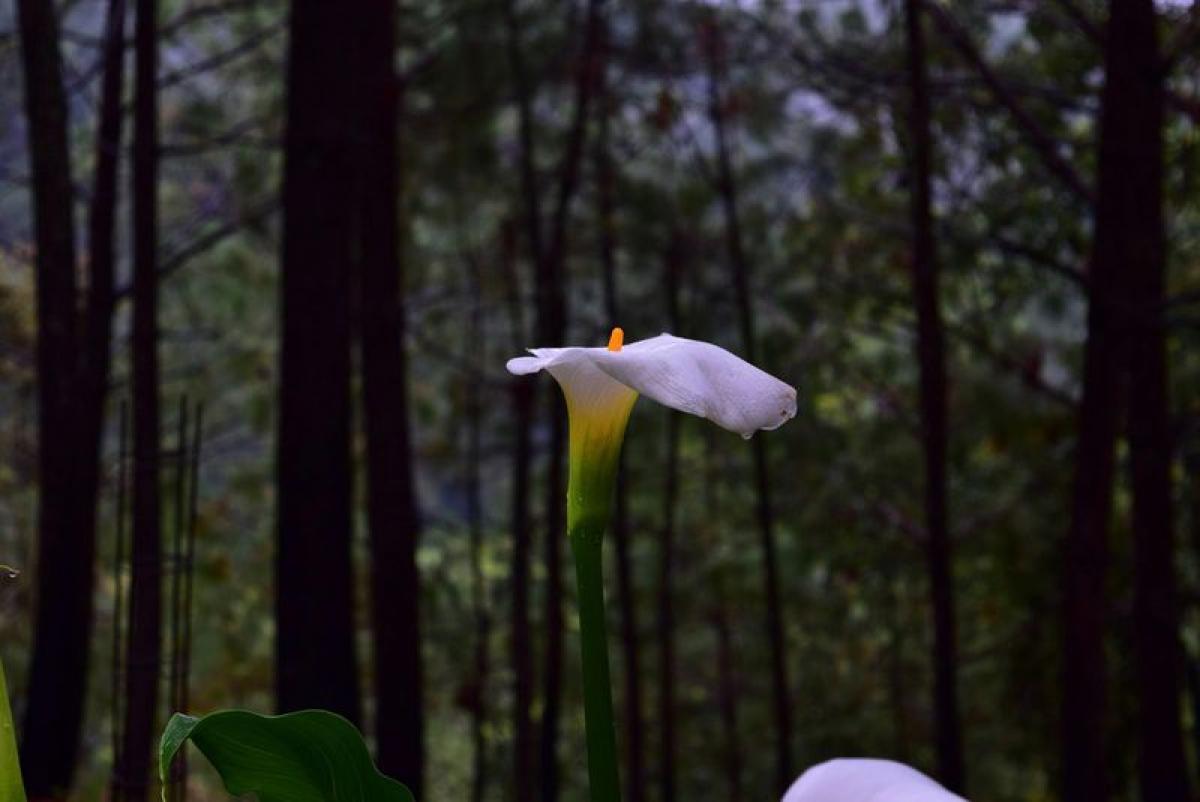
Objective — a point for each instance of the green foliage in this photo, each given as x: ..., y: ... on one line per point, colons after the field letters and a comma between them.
x: 309, y: 756
x: 11, y: 789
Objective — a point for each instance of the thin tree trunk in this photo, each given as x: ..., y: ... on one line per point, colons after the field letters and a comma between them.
x: 392, y: 503
x: 1085, y: 561
x: 548, y: 253
x: 524, y: 401
x: 479, y: 593
x: 739, y: 266
x: 727, y: 699
x: 62, y: 629
x: 519, y: 633
x: 552, y: 657
x: 315, y: 663
x: 144, y: 657
x: 1134, y: 61
x: 897, y: 687
x: 931, y: 359
x: 727, y: 684
x: 666, y: 565
x: 72, y: 380
x: 605, y: 176
x: 1191, y: 463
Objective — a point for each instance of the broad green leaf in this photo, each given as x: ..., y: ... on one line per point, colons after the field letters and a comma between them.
x: 11, y: 788
x: 309, y: 756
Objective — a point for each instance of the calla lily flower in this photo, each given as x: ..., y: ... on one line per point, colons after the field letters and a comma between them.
x: 866, y: 780
x: 688, y: 375
x: 600, y: 386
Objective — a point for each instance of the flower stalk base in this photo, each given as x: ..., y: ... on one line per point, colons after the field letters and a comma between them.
x: 587, y: 546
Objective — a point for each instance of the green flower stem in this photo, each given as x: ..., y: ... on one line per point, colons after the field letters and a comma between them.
x: 11, y: 789
x: 587, y: 545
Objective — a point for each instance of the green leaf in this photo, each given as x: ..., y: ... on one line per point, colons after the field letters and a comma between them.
x: 309, y: 756
x: 11, y: 788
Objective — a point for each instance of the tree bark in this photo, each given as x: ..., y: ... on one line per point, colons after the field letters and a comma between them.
x: 392, y: 504
x: 727, y: 699
x: 1135, y: 71
x: 101, y: 297
x: 71, y: 392
x: 480, y: 604
x: 739, y: 266
x: 521, y: 637
x: 521, y: 397
x: 144, y: 656
x: 315, y: 659
x: 727, y: 684
x: 1085, y: 561
x: 931, y: 359
x: 666, y: 565
x: 548, y: 254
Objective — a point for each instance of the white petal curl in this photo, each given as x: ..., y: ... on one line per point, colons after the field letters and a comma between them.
x: 688, y: 375
x: 866, y: 780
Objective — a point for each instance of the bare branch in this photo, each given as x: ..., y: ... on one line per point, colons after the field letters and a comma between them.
x: 195, y: 13
x: 208, y: 241
x: 221, y: 58
x: 1037, y: 138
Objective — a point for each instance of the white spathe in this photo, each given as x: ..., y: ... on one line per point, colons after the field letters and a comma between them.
x: 866, y: 780
x: 688, y: 375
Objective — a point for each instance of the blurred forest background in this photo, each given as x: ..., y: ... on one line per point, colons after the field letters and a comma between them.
x: 268, y: 261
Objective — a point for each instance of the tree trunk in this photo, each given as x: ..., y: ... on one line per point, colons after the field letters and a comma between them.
x: 548, y: 254
x: 666, y: 565
x: 480, y: 603
x: 97, y: 332
x: 519, y: 633
x: 314, y: 653
x: 522, y: 647
x: 739, y: 266
x: 144, y: 656
x: 62, y: 627
x: 392, y: 504
x: 727, y: 684
x: 727, y: 699
x: 524, y: 400
x: 552, y: 657
x: 931, y: 359
x: 1134, y: 70
x: 1086, y: 557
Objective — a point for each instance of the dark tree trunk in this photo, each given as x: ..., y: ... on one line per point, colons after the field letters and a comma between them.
x: 519, y: 633
x: 524, y: 400
x: 66, y: 550
x: 144, y: 656
x: 97, y: 332
x: 739, y: 266
x: 727, y: 700
x: 727, y: 684
x: 548, y: 253
x: 392, y: 504
x: 1191, y: 463
x: 1135, y: 84
x: 1086, y: 557
x: 666, y: 565
x: 552, y: 657
x: 480, y: 604
x: 522, y: 647
x: 931, y: 359
x: 315, y: 664
x: 605, y: 177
